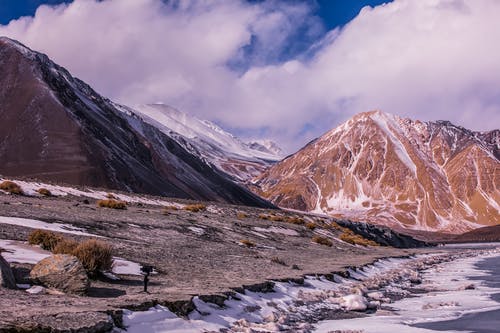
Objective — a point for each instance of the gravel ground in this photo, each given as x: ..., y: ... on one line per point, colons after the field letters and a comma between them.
x: 195, y: 253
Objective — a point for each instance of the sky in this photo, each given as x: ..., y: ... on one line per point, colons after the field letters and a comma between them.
x: 284, y: 70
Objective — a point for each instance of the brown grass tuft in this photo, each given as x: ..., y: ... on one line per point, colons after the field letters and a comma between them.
x: 110, y: 196
x: 276, y: 218
x: 354, y: 239
x: 263, y: 216
x: 311, y: 225
x: 279, y: 261
x: 295, y: 220
x: 45, y: 192
x: 11, y: 187
x: 65, y: 246
x: 335, y: 225
x: 111, y: 203
x: 322, y: 240
x: 247, y: 243
x: 241, y: 215
x: 195, y: 207
x: 95, y: 256
x: 48, y: 240
x: 172, y: 207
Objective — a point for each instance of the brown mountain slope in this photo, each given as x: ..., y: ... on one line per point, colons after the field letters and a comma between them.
x: 55, y: 127
x: 387, y: 170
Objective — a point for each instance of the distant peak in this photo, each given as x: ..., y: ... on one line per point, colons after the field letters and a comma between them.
x: 374, y: 114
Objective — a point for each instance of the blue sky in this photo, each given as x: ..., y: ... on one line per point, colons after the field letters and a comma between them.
x: 333, y: 12
x: 278, y: 69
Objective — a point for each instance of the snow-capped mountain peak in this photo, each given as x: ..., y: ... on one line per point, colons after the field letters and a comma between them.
x: 210, y: 142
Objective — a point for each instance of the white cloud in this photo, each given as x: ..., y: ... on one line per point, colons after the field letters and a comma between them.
x: 427, y: 59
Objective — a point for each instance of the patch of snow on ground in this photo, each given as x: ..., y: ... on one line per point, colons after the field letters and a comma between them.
x: 36, y: 224
x: 31, y: 188
x: 284, y: 231
x: 196, y: 230
x: 125, y: 267
x: 21, y: 252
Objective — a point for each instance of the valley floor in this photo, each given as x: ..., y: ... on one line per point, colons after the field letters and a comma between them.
x: 195, y: 254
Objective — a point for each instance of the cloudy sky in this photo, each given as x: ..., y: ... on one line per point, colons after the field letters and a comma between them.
x: 286, y: 70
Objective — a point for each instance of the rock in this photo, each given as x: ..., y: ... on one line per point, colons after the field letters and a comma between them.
x: 375, y: 295
x: 36, y: 290
x: 7, y: 279
x: 63, y: 272
x: 354, y: 303
x: 373, y: 305
x: 471, y: 286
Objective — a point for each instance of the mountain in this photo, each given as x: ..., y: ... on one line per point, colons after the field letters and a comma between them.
x: 210, y: 142
x: 266, y: 146
x: 393, y: 171
x: 55, y: 127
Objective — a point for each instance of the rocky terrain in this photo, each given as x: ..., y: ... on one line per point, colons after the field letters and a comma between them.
x: 383, y: 169
x: 208, y: 253
x: 54, y: 127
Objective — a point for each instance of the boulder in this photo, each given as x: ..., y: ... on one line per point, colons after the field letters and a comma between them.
x: 62, y: 272
x: 7, y: 279
x: 353, y: 302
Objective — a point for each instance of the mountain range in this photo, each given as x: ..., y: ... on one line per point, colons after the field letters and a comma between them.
x: 375, y: 167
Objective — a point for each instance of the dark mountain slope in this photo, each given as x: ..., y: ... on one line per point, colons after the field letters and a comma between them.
x: 55, y: 127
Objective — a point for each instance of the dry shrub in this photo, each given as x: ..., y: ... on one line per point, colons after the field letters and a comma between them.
x: 11, y: 187
x: 311, y: 225
x: 276, y: 218
x: 322, y: 240
x: 172, y: 207
x: 247, y: 243
x: 264, y: 216
x: 295, y: 220
x: 241, y: 215
x: 44, y: 191
x: 354, y: 239
x: 48, y: 240
x: 65, y: 246
x: 195, y: 207
x: 110, y: 196
x: 111, y: 203
x: 95, y: 256
x: 279, y: 261
x: 336, y: 226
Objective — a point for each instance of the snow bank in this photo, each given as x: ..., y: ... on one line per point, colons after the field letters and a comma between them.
x: 284, y: 231
x: 31, y: 188
x: 36, y: 224
x: 125, y: 267
x: 21, y: 252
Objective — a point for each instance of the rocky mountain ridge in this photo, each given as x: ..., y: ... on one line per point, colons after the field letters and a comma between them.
x: 394, y: 171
